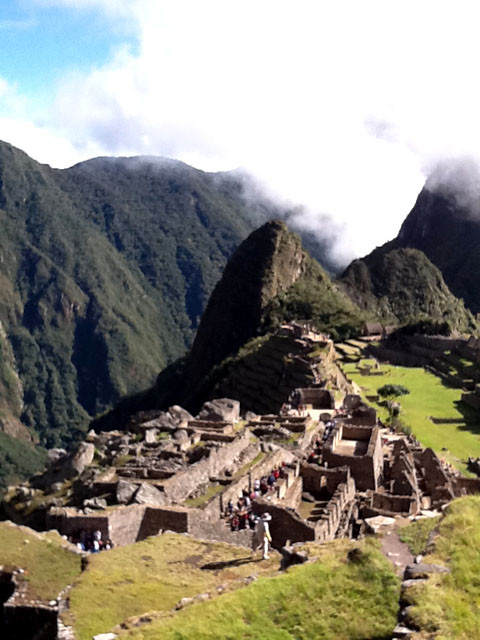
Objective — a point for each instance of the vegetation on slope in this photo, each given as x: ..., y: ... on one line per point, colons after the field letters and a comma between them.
x: 416, y: 534
x: 445, y: 226
x: 18, y: 460
x: 269, y: 280
x: 316, y: 299
x: 402, y: 286
x: 154, y: 575
x: 429, y: 396
x: 447, y: 605
x: 105, y: 270
x: 48, y: 565
x: 328, y: 599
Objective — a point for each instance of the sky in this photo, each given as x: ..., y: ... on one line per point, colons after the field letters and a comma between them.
x: 345, y: 107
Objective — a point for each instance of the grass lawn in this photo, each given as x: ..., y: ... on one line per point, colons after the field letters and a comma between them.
x: 48, y: 565
x: 154, y: 575
x: 330, y: 599
x: 448, y: 605
x: 416, y: 534
x: 428, y: 397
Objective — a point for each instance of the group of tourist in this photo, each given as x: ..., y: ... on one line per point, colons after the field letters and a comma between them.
x: 91, y: 541
x: 240, y: 515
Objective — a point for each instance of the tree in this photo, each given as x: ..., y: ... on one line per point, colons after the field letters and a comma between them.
x: 392, y: 390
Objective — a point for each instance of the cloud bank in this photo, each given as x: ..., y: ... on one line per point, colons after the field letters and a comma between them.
x: 343, y: 107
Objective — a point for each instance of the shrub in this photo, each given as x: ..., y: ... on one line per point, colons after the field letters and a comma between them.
x: 392, y: 390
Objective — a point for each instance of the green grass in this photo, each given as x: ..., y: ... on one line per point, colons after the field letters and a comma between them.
x: 199, y: 501
x: 415, y: 534
x: 428, y: 397
x: 449, y: 604
x: 330, y: 599
x: 154, y: 575
x: 48, y: 565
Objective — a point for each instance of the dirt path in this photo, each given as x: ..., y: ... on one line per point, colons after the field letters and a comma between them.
x: 395, y: 550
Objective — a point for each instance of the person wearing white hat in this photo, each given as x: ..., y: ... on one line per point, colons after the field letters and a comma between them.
x: 261, y: 535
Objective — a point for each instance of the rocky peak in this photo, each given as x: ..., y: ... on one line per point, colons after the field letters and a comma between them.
x: 267, y: 263
x: 446, y: 227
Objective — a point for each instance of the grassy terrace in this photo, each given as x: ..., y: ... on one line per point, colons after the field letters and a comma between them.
x: 330, y: 599
x: 429, y: 396
x: 154, y: 575
x: 448, y: 606
x: 48, y: 565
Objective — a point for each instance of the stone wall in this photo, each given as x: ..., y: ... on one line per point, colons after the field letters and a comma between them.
x: 436, y: 480
x: 317, y: 397
x: 316, y: 478
x: 393, y: 504
x: 285, y: 525
x: 338, y: 507
x: 133, y: 523
x: 124, y: 524
x: 217, y: 505
x: 217, y: 530
x: 367, y: 469
x: 182, y: 484
x: 69, y: 522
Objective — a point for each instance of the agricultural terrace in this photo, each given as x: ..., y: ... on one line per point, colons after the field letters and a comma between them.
x: 428, y: 396
x: 154, y: 575
x: 330, y: 599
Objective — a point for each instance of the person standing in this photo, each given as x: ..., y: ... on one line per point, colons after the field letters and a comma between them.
x: 262, y: 536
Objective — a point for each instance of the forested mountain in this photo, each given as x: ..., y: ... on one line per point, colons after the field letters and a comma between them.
x: 105, y: 270
x: 445, y: 225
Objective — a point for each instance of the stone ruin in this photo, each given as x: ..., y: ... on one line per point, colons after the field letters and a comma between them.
x: 172, y: 471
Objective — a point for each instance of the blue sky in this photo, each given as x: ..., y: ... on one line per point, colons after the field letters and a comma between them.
x: 344, y: 107
x: 39, y: 44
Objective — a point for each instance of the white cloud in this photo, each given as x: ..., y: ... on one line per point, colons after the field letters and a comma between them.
x: 342, y: 106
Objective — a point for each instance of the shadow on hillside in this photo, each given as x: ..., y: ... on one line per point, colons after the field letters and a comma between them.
x: 225, y: 564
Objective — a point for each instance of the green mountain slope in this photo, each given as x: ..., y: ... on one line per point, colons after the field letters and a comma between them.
x: 105, y: 270
x: 270, y: 279
x: 446, y: 228
x: 402, y: 285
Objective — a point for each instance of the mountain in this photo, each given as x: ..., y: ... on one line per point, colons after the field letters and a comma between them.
x: 401, y: 286
x: 269, y: 280
x: 446, y: 228
x: 105, y: 270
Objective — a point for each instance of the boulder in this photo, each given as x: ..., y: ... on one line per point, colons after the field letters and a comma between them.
x: 55, y: 455
x: 151, y: 436
x: 220, y: 410
x: 82, y: 457
x: 148, y: 494
x: 95, y: 503
x: 419, y: 571
x: 291, y: 556
x: 184, y: 602
x: 179, y: 415
x: 124, y: 492
x: 181, y: 435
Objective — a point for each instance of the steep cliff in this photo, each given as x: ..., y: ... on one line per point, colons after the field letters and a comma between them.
x: 446, y: 228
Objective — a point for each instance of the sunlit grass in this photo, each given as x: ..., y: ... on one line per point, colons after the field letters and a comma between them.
x: 449, y: 604
x: 330, y: 599
x: 48, y: 565
x: 154, y: 575
x: 428, y: 397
